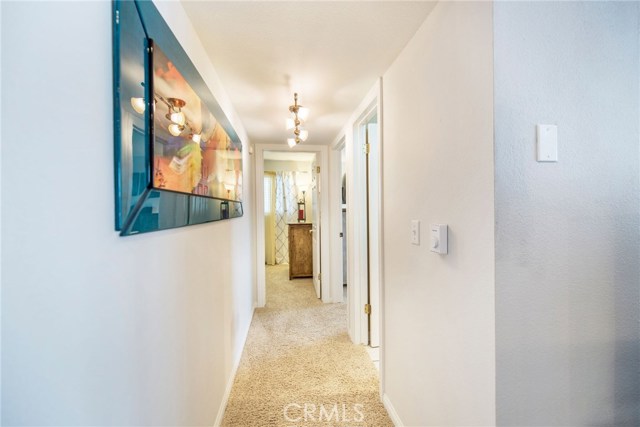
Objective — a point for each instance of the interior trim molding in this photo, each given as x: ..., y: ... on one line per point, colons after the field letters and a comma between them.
x: 234, y: 371
x: 392, y: 411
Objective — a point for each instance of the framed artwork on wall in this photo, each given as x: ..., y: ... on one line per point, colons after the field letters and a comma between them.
x: 178, y: 160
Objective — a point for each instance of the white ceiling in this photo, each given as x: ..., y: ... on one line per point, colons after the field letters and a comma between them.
x: 330, y: 52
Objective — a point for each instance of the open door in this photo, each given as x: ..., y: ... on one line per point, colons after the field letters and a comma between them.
x: 373, y: 226
x: 364, y: 195
x: 315, y: 228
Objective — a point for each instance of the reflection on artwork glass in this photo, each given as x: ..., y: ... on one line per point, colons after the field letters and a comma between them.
x: 184, y: 167
x: 130, y: 147
x: 192, y: 152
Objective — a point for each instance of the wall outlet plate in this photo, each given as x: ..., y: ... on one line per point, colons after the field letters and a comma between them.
x: 547, y: 143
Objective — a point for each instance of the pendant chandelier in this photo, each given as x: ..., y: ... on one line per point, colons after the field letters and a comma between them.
x: 298, y: 115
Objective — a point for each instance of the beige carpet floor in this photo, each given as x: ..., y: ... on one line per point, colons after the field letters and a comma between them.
x: 299, y: 367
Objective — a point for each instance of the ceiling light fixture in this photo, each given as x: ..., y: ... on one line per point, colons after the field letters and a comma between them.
x: 175, y: 109
x: 175, y: 129
x: 138, y: 105
x: 300, y: 114
x: 178, y: 122
x: 175, y: 115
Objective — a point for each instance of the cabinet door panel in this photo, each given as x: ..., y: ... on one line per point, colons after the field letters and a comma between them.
x: 300, y: 253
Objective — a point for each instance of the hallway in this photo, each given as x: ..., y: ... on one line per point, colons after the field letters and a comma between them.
x: 299, y: 366
x: 510, y: 128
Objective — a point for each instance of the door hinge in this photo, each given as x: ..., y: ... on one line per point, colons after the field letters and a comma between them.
x: 367, y: 148
x: 319, y: 277
x: 367, y: 308
x: 317, y: 169
x: 117, y: 17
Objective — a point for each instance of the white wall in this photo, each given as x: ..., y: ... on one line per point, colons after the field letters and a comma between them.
x: 567, y: 234
x: 98, y: 329
x: 439, y: 343
x: 286, y: 165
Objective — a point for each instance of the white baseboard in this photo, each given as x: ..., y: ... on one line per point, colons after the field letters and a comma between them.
x: 392, y: 411
x: 232, y: 377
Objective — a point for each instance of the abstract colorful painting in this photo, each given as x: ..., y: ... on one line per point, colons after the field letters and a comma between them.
x: 192, y: 152
x: 177, y: 157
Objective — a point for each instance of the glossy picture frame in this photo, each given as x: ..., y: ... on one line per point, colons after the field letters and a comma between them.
x: 141, y: 205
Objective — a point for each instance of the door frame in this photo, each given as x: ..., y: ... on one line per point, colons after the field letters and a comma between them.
x: 356, y: 231
x: 335, y: 181
x: 316, y: 241
x: 372, y: 227
x: 321, y: 152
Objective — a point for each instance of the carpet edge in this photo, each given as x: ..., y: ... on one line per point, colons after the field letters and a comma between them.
x: 234, y: 370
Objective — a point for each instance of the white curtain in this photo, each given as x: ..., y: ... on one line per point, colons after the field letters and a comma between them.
x: 286, y: 212
x: 269, y: 218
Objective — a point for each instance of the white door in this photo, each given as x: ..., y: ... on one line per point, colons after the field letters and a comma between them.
x: 373, y: 216
x: 315, y: 228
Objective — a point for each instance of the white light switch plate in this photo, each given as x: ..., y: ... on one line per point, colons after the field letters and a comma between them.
x: 415, y: 232
x: 547, y: 147
x: 439, y: 239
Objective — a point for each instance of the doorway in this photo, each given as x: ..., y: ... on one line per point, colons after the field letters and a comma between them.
x: 290, y: 213
x: 368, y: 185
x: 343, y: 219
x: 314, y: 202
x: 364, y: 225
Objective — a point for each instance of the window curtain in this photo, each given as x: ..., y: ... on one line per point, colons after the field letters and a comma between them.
x: 269, y: 218
x: 286, y: 212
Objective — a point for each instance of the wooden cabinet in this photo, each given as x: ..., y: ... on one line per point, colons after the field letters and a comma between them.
x: 300, y: 251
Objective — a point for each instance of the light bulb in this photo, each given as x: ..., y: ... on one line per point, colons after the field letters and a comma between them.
x: 304, y: 134
x: 290, y: 124
x: 196, y: 137
x: 303, y: 113
x: 175, y: 129
x: 138, y: 105
x: 291, y: 142
x: 178, y: 118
